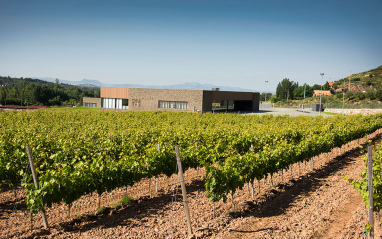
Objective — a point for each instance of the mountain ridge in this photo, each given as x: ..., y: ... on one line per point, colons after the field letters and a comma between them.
x: 185, y: 86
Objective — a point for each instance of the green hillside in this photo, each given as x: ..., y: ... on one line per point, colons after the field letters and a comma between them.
x: 364, y: 90
x: 371, y: 79
x: 27, y: 91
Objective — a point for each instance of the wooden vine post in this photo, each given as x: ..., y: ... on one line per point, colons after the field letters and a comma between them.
x: 370, y: 188
x: 310, y: 160
x: 35, y: 180
x: 183, y: 189
x: 252, y: 188
x: 157, y: 178
x: 150, y: 187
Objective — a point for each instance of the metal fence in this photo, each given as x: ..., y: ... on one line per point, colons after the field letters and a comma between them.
x: 358, y: 105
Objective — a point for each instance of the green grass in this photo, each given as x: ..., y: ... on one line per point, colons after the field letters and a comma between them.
x: 100, y: 210
x: 330, y: 113
x: 73, y: 108
x: 82, y: 108
x: 126, y: 200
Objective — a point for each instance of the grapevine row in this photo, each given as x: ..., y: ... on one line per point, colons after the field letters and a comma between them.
x: 77, y: 153
x: 234, y: 172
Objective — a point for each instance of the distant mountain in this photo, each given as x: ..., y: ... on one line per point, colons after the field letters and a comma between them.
x: 186, y: 86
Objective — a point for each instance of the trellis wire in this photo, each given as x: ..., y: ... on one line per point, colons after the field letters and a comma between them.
x: 173, y: 198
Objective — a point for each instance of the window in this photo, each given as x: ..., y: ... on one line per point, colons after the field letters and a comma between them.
x: 125, y: 104
x: 111, y: 103
x: 181, y: 105
x: 108, y: 103
x: 92, y: 105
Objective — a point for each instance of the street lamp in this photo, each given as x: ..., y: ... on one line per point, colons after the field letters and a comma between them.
x: 322, y: 76
x: 266, y: 91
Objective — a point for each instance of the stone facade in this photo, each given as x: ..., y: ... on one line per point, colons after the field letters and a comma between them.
x: 148, y: 99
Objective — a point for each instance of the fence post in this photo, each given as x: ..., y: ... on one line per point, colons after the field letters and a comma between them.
x: 183, y: 189
x: 35, y: 179
x: 370, y: 188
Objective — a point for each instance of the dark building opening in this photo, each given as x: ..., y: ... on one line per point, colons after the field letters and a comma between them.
x: 242, y: 105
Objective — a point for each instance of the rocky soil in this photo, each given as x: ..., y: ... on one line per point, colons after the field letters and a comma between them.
x: 310, y: 200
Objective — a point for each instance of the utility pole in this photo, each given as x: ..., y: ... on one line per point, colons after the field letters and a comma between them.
x: 343, y: 98
x: 266, y: 91
x: 304, y: 89
x: 322, y: 76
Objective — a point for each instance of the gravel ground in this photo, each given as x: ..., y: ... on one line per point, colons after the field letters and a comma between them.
x: 289, y: 111
x: 308, y: 112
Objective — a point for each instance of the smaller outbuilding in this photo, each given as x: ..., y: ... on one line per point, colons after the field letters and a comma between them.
x: 324, y: 92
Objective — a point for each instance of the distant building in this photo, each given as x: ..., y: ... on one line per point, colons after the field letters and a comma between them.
x: 143, y: 99
x: 324, y: 92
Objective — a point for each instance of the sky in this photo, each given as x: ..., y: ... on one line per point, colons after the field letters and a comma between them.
x: 250, y: 44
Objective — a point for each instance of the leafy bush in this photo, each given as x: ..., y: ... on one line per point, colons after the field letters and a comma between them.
x: 358, y: 95
x: 378, y: 94
x: 350, y: 95
x: 370, y: 93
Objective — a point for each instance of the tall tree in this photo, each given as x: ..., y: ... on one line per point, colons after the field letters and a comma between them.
x: 284, y: 90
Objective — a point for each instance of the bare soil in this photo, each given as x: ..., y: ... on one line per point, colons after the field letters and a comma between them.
x: 306, y: 201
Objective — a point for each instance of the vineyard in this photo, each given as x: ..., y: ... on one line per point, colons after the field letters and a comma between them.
x: 85, y: 152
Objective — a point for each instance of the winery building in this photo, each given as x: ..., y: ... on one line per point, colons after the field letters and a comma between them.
x: 144, y: 99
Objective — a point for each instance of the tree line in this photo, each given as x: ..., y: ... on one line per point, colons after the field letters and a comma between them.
x: 289, y: 90
x: 24, y: 92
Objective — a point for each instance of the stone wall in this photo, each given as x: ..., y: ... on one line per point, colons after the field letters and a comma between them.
x: 354, y: 111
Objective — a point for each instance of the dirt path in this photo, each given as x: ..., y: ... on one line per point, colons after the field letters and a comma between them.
x: 321, y: 204
x: 340, y: 218
x: 302, y: 202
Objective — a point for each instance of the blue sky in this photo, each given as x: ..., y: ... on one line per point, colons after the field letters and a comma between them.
x: 163, y: 42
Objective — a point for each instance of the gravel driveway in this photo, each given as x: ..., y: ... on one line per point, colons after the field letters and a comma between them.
x: 290, y: 111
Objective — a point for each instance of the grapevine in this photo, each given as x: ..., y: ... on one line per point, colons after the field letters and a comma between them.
x: 362, y: 186
x: 77, y: 153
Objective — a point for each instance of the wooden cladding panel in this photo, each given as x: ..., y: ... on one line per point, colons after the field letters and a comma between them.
x: 115, y: 92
